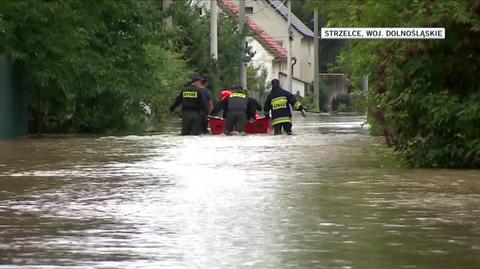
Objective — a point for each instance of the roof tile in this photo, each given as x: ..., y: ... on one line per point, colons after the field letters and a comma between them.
x: 296, y: 22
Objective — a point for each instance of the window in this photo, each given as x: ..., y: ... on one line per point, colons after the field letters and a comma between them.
x: 248, y: 10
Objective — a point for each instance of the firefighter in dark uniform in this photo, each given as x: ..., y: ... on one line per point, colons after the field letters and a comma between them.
x: 207, y: 94
x: 237, y: 111
x: 223, y: 104
x: 252, y: 107
x: 194, y: 106
x: 280, y: 103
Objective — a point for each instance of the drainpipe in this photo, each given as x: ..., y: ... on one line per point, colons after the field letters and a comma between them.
x: 294, y: 62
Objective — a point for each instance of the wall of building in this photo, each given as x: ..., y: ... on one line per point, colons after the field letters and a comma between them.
x: 307, y: 62
x: 278, y: 68
x: 298, y: 87
x: 262, y: 59
x: 268, y: 19
x: 276, y: 26
x: 297, y: 52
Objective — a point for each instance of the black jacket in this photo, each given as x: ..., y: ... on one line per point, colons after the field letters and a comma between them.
x: 280, y: 103
x: 252, y: 107
x: 190, y: 98
x: 237, y: 101
x: 221, y: 106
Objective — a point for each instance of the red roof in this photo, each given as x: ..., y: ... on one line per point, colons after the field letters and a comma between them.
x: 261, y: 36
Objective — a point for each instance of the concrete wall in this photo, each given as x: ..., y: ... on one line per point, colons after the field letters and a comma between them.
x: 336, y: 83
x: 13, y: 101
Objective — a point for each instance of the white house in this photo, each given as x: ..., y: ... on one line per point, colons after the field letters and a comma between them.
x: 267, y: 21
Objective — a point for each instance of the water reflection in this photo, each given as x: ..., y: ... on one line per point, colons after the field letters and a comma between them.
x: 313, y: 200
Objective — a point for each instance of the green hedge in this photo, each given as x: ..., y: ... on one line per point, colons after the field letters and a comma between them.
x: 428, y: 90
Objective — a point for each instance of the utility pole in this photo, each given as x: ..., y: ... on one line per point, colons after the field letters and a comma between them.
x: 167, y: 21
x: 213, y: 30
x: 365, y: 84
x: 241, y: 24
x: 289, y: 48
x: 316, y: 71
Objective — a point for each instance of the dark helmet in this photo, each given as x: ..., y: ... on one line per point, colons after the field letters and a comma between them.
x: 238, y: 88
x: 199, y: 78
x: 275, y: 83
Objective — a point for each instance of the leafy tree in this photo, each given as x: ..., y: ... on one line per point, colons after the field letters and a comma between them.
x: 256, y: 82
x: 109, y: 66
x: 329, y: 49
x: 428, y: 90
x: 92, y: 64
x: 194, y: 42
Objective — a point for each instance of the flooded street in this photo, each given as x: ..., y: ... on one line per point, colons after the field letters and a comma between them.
x: 318, y: 199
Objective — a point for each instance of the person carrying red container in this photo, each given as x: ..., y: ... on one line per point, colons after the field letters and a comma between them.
x: 194, y: 107
x: 236, y: 106
x: 223, y: 104
x: 280, y: 102
x: 252, y: 107
x: 225, y: 94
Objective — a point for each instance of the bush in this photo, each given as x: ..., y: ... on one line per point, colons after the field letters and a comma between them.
x: 359, y: 102
x: 110, y: 66
x: 428, y: 90
x: 91, y: 64
x: 324, y: 97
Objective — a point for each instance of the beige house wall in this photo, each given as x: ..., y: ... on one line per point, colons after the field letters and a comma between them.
x: 276, y: 26
x: 306, y: 63
x: 263, y: 59
x: 298, y: 87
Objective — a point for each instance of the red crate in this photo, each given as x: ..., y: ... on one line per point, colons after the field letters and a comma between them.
x: 217, y: 126
x: 259, y: 126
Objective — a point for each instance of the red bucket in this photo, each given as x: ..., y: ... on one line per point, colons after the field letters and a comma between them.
x: 217, y: 126
x: 259, y: 126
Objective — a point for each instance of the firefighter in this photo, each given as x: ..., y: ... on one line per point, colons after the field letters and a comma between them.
x: 194, y: 106
x: 252, y: 107
x: 280, y: 102
x: 237, y: 111
x: 202, y: 85
x: 223, y: 103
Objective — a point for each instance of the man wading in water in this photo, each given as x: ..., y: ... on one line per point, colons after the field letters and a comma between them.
x: 280, y: 103
x: 194, y: 106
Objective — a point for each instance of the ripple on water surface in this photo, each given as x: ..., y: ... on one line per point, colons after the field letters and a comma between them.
x: 312, y: 200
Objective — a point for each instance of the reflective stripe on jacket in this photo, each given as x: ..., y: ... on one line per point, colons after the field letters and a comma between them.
x: 237, y: 101
x: 280, y: 102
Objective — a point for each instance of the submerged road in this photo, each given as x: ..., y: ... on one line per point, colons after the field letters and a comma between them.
x: 318, y: 199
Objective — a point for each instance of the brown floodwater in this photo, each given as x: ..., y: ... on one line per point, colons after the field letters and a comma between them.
x: 318, y: 199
